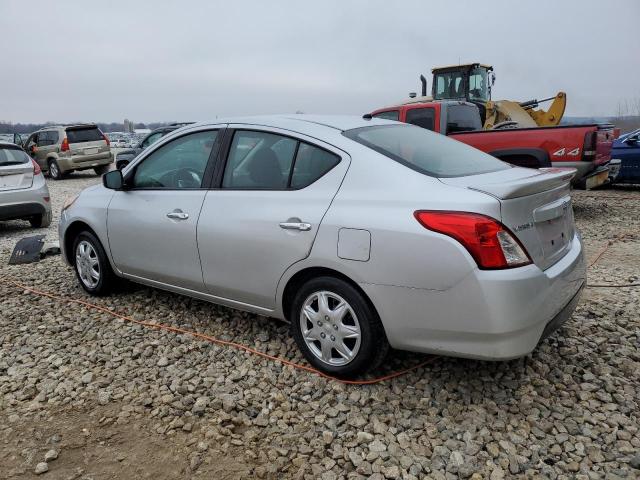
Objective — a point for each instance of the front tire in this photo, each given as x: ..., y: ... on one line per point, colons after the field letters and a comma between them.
x: 91, y: 265
x: 102, y: 169
x: 54, y: 170
x: 336, y: 328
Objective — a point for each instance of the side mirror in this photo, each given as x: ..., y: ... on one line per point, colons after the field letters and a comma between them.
x: 113, y: 180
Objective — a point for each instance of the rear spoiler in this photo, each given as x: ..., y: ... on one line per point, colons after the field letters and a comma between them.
x: 542, y: 180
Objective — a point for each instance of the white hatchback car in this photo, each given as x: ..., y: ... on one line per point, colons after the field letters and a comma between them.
x: 362, y: 233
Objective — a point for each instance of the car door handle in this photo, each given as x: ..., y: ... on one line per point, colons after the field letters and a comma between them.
x: 178, y: 215
x: 302, y: 226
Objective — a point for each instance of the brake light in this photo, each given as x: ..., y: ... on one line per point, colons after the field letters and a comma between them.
x: 489, y: 242
x: 106, y: 139
x: 589, y: 146
x: 36, y: 168
x: 64, y: 146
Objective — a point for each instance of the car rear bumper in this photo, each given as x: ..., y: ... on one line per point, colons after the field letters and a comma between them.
x: 489, y: 315
x: 81, y: 162
x: 25, y: 203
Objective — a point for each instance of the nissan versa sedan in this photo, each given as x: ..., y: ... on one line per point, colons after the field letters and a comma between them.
x: 362, y: 233
x: 23, y: 191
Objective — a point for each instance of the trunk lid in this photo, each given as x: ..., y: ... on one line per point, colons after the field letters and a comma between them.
x: 16, y: 169
x: 535, y: 205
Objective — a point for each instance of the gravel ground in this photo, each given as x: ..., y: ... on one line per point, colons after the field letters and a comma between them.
x: 84, y: 395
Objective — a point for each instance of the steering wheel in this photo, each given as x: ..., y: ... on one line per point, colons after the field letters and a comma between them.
x: 187, y: 178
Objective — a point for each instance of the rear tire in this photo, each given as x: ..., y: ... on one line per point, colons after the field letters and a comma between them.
x: 336, y: 328
x: 41, y: 221
x: 121, y: 164
x: 54, y: 170
x: 91, y: 265
x: 102, y: 169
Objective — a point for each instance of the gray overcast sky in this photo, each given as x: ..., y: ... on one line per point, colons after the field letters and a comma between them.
x: 194, y: 60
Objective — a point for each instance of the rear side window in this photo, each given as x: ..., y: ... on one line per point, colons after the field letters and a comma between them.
x: 311, y: 164
x: 12, y: 156
x: 47, y: 138
x: 390, y: 115
x: 84, y: 134
x: 267, y: 161
x: 421, y: 117
x: 426, y: 152
x: 463, y: 118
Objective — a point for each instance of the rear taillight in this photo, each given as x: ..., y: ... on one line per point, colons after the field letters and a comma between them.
x: 106, y: 139
x: 490, y: 243
x: 64, y: 146
x: 589, y: 146
x: 36, y: 168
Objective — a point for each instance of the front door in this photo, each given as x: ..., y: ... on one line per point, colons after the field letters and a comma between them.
x: 152, y: 223
x: 265, y: 213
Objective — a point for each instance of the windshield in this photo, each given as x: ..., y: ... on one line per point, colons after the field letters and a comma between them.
x: 12, y: 156
x: 449, y: 85
x: 478, y: 89
x: 426, y: 152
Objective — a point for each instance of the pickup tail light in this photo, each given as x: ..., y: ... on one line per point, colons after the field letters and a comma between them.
x: 36, y: 168
x: 64, y: 146
x: 488, y: 241
x: 589, y: 146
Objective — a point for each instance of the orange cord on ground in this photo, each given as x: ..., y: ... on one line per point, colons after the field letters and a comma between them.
x: 208, y: 338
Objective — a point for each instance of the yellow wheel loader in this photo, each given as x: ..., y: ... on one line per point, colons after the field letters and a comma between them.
x: 472, y: 82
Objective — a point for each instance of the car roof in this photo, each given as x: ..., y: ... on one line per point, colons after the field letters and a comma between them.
x: 303, y: 123
x: 4, y: 144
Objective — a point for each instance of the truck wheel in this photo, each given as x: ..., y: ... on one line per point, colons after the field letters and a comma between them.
x: 54, y: 170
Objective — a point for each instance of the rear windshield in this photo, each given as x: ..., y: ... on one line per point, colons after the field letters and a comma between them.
x: 84, y: 134
x: 426, y: 152
x: 12, y: 156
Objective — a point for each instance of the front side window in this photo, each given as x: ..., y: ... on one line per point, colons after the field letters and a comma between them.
x: 179, y: 164
x: 422, y: 117
x: 267, y: 161
x: 426, y: 152
x: 478, y: 87
x: 449, y: 85
x: 390, y: 115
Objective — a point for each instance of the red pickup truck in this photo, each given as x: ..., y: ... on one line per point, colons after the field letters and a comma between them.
x: 587, y: 148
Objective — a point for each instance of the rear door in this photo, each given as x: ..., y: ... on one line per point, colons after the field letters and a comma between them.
x: 152, y: 224
x: 264, y: 211
x: 16, y: 169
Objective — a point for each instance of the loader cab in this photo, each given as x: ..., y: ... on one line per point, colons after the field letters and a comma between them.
x: 471, y: 82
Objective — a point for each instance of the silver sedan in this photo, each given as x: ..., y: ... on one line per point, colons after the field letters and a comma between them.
x: 362, y: 233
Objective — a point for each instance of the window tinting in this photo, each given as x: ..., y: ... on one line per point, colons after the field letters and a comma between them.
x: 151, y: 139
x: 311, y: 164
x: 12, y: 156
x: 178, y: 164
x: 463, y: 118
x: 47, y: 138
x: 426, y: 152
x: 390, y: 115
x: 259, y: 160
x: 421, y: 117
x: 83, y: 134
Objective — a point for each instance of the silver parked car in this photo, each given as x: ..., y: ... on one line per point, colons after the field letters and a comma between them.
x: 362, y: 233
x: 23, y: 191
